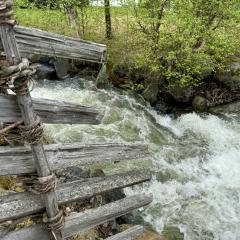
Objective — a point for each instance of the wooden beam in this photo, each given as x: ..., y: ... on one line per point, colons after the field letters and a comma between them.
x: 19, y: 205
x: 19, y: 160
x: 24, y: 101
x: 128, y: 234
x: 84, y: 220
x: 50, y: 111
x: 35, y: 41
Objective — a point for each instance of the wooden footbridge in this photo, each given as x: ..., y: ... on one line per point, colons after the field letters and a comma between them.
x: 21, y: 120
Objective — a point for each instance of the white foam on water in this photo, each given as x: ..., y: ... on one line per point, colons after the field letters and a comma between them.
x: 196, y: 159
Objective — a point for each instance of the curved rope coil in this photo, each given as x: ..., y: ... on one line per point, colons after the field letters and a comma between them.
x: 16, y: 77
x: 18, y: 132
x: 6, y: 12
x: 54, y: 224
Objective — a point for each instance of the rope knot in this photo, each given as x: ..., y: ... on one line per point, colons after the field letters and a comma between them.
x: 6, y: 12
x: 40, y: 185
x: 10, y: 74
x: 32, y: 134
x: 20, y: 133
x: 55, y: 224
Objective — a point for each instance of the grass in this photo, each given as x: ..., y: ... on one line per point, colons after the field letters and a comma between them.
x: 120, y: 47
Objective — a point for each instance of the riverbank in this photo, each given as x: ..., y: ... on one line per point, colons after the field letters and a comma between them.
x: 194, y: 158
x: 217, y: 88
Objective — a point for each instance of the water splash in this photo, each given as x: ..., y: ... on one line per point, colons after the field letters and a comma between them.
x: 196, y: 159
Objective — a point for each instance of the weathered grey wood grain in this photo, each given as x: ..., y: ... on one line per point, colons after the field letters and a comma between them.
x: 34, y: 41
x: 19, y: 205
x: 24, y: 101
x: 50, y: 111
x: 128, y: 234
x: 19, y: 160
x: 84, y: 220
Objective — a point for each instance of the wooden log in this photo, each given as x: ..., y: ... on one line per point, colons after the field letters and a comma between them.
x: 128, y: 234
x: 50, y: 111
x: 19, y: 205
x: 35, y: 41
x: 19, y: 160
x: 84, y: 220
x: 24, y: 100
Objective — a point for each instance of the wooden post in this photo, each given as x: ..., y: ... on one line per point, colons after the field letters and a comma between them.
x: 25, y: 105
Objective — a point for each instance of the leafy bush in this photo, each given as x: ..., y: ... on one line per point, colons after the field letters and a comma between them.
x: 185, y: 40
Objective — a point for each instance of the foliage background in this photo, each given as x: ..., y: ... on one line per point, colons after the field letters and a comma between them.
x: 183, y: 43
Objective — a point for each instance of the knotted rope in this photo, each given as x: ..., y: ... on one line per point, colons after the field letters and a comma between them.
x: 6, y: 12
x: 43, y: 185
x: 16, y: 77
x: 40, y: 185
x: 55, y: 224
x: 23, y: 134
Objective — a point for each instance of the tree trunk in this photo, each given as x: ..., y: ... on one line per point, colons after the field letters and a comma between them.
x: 108, y: 19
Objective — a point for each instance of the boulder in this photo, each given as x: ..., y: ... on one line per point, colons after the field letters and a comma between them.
x: 151, y: 92
x: 62, y: 67
x: 230, y: 77
x: 230, y: 108
x: 182, y: 94
x: 200, y: 103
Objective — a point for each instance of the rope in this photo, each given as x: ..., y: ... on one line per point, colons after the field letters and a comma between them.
x: 11, y: 75
x: 20, y: 133
x: 54, y: 224
x: 6, y: 12
x: 16, y: 78
x: 40, y: 185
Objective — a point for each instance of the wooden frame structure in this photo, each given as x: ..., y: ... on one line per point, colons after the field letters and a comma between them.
x: 19, y: 41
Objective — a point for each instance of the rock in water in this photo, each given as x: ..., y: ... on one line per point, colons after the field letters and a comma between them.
x: 230, y: 108
x: 200, y: 104
x: 182, y: 94
x: 62, y: 67
x: 151, y: 92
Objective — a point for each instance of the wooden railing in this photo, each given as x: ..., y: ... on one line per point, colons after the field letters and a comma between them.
x: 45, y: 160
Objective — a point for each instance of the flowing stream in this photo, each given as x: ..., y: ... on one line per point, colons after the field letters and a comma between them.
x: 195, y: 158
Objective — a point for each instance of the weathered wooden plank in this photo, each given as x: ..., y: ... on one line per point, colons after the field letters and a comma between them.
x: 19, y: 205
x: 19, y: 160
x: 128, y: 234
x: 34, y: 41
x: 84, y: 220
x: 24, y: 101
x: 50, y: 111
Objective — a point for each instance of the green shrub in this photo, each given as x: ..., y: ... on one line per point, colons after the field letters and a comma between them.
x: 186, y: 40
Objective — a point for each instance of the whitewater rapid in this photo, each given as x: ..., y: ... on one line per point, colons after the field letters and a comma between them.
x: 195, y: 158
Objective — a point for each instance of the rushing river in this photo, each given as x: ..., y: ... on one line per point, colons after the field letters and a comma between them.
x: 195, y: 159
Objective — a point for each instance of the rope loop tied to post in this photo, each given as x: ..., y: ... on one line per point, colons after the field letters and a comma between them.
x: 55, y: 224
x: 32, y: 134
x: 17, y: 132
x: 16, y: 77
x: 40, y: 185
x: 6, y: 12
